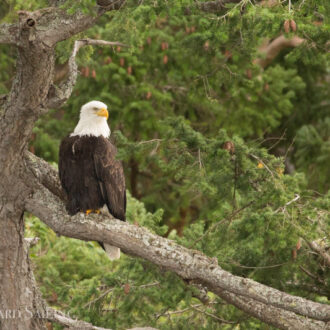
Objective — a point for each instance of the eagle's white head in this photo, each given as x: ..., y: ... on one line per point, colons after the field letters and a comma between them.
x: 93, y: 120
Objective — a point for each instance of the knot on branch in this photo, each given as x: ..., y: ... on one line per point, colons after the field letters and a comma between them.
x: 30, y: 22
x: 26, y: 19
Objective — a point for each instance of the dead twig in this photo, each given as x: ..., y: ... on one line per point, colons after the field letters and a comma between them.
x: 60, y: 94
x: 283, y: 208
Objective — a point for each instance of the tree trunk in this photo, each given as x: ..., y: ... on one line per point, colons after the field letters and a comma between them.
x: 19, y: 297
x: 19, y: 306
x: 18, y: 303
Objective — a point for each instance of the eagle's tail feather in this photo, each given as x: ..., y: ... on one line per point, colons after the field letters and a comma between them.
x: 113, y: 252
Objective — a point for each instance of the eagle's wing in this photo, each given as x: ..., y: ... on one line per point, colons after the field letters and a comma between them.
x: 64, y: 164
x: 110, y: 175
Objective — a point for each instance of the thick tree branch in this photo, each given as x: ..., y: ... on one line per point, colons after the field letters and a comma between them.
x: 271, y: 315
x: 277, y: 317
x: 188, y: 264
x: 62, y: 26
x: 8, y: 33
x: 60, y: 94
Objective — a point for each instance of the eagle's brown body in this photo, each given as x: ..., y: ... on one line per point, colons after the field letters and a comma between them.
x: 91, y: 175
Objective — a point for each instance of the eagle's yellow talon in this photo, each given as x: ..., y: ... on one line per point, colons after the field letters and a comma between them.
x: 88, y: 211
x: 97, y: 211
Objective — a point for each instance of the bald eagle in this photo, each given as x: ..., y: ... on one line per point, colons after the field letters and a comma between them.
x: 89, y: 172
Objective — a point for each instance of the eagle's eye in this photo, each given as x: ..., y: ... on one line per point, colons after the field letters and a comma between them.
x: 95, y: 108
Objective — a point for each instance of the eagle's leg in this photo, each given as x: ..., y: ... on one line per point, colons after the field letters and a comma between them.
x: 92, y: 211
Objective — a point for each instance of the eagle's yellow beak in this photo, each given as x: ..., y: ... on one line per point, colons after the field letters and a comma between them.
x: 103, y: 113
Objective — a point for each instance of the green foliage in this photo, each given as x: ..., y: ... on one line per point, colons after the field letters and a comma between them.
x: 313, y: 152
x: 206, y: 136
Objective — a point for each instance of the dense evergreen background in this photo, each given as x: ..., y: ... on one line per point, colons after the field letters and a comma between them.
x: 215, y: 145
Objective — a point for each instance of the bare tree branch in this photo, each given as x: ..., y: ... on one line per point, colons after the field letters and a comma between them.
x: 59, y: 95
x: 8, y: 33
x: 270, y: 50
x: 95, y: 42
x: 188, y: 264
